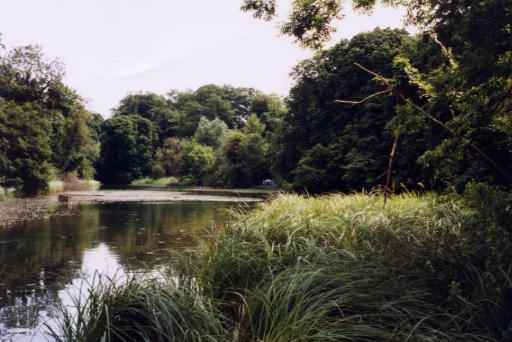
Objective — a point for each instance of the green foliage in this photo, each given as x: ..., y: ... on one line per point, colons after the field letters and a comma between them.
x: 164, y: 181
x: 207, y: 101
x: 150, y: 106
x: 426, y: 242
x: 206, y: 117
x: 157, y: 171
x: 29, y: 82
x: 126, y: 149
x: 95, y: 123
x: 25, y: 148
x: 323, y: 145
x: 455, y: 93
x: 196, y: 161
x: 210, y: 133
x: 309, y: 22
x: 228, y: 104
x: 253, y: 125
x: 168, y: 155
x: 140, y: 311
x: 314, y: 169
x: 245, y: 160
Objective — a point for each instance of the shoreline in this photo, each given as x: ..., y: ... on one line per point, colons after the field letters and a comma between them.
x: 20, y: 210
x: 110, y: 196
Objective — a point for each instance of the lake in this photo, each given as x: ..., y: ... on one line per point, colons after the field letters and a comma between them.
x: 42, y: 261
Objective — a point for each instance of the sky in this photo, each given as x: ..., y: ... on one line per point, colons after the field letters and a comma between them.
x: 113, y: 47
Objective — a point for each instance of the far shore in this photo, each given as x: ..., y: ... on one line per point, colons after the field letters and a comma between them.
x: 19, y: 210
x: 108, y: 196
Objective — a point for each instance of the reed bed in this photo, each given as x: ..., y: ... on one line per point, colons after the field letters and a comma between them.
x: 329, y: 268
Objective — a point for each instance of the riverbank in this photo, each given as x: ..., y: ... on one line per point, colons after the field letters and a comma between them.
x: 18, y: 210
x: 330, y: 268
x: 109, y: 196
x: 15, y: 210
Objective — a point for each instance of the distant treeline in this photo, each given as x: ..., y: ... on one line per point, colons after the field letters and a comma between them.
x: 384, y: 108
x: 216, y: 135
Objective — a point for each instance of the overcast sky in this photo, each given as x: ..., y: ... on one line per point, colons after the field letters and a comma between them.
x: 113, y: 47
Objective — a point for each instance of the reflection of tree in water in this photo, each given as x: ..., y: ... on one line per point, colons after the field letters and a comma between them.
x: 40, y: 258
x: 22, y: 308
x: 36, y: 258
x: 50, y: 247
x: 137, y: 230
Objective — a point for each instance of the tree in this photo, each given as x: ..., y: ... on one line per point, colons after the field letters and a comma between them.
x: 244, y: 160
x: 253, y: 125
x: 95, y: 124
x: 210, y: 132
x: 24, y: 148
x: 168, y: 156
x: 467, y: 97
x: 31, y: 82
x: 126, y: 149
x: 26, y: 76
x: 352, y: 141
x: 152, y: 107
x: 196, y: 161
x: 226, y: 103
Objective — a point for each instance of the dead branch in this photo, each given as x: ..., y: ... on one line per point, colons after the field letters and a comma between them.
x: 366, y: 98
x: 437, y: 121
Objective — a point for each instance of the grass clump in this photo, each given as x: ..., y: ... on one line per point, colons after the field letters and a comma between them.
x: 140, y: 310
x: 6, y: 193
x: 343, y: 268
x: 165, y: 181
x: 70, y: 182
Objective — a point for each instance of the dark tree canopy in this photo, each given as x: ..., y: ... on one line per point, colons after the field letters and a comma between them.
x: 327, y: 145
x: 454, y: 88
x: 36, y: 100
x: 126, y: 149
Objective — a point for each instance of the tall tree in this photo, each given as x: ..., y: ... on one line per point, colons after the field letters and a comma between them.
x: 210, y: 132
x: 152, y: 107
x: 468, y: 97
x: 30, y: 81
x: 127, y: 148
x: 324, y: 145
x: 25, y: 148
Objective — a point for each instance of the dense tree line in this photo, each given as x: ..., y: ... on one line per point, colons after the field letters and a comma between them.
x: 444, y: 104
x: 215, y: 135
x: 44, y: 127
x: 384, y: 108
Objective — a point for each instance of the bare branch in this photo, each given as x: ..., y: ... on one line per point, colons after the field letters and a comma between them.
x: 452, y: 111
x: 437, y: 121
x: 366, y: 98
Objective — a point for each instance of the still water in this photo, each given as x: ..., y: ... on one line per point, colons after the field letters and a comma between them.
x: 40, y: 261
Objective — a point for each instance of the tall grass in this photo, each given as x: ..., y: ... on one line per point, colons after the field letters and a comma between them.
x: 6, y: 193
x: 139, y: 310
x: 334, y: 268
x: 165, y: 181
x: 70, y: 182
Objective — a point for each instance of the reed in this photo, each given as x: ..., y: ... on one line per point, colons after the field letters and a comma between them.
x: 329, y: 268
x: 139, y: 309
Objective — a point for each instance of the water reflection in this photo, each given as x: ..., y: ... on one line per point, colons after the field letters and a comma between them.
x: 44, y: 260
